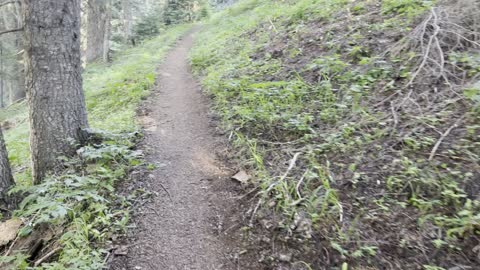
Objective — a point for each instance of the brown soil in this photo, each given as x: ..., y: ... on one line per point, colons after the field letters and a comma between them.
x: 182, y: 227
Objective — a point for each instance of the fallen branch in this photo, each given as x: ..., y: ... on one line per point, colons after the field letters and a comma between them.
x: 293, y: 161
x: 297, y: 188
x: 273, y: 26
x: 432, y: 39
x: 444, y: 135
x: 11, y: 247
x: 47, y: 256
x: 165, y: 189
x: 252, y: 218
x: 11, y: 31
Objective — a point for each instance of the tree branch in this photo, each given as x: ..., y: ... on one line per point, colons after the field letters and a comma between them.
x: 11, y: 31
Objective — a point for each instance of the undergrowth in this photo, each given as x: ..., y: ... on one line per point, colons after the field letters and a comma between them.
x: 362, y: 132
x: 79, y: 207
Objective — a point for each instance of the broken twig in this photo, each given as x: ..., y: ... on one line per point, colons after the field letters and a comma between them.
x: 444, y: 135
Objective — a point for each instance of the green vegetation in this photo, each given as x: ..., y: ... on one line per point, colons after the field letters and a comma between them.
x: 81, y: 197
x: 113, y: 92
x: 84, y: 204
x: 362, y: 149
x: 171, y: 13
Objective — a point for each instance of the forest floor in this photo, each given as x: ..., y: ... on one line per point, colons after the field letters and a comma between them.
x: 193, y: 197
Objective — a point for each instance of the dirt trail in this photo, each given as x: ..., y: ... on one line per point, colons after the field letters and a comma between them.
x: 179, y: 230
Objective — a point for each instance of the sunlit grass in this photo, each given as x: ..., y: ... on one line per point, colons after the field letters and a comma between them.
x: 113, y: 92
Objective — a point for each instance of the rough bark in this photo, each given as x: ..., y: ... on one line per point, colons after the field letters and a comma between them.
x: 2, y: 80
x: 54, y: 81
x: 106, y: 34
x: 97, y: 17
x: 6, y: 179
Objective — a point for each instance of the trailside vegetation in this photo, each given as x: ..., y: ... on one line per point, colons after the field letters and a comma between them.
x: 71, y: 217
x: 360, y: 121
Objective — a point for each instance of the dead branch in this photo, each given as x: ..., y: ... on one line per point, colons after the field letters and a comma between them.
x: 297, y: 188
x: 432, y: 39
x: 47, y: 256
x: 11, y: 247
x: 166, y: 190
x: 293, y: 161
x: 252, y: 218
x: 11, y: 31
x: 444, y: 135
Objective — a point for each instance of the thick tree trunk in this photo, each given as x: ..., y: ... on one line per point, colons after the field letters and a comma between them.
x: 2, y: 80
x: 6, y: 179
x: 54, y: 81
x: 97, y: 17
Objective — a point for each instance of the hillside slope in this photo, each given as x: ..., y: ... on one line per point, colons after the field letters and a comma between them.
x: 360, y: 121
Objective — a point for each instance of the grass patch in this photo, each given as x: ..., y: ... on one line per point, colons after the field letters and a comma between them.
x: 348, y: 157
x: 113, y: 92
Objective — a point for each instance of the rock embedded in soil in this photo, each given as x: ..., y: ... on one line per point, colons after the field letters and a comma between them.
x: 9, y: 230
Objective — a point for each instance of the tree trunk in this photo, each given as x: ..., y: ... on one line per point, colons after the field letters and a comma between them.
x: 18, y: 90
x: 6, y: 179
x: 2, y: 80
x: 96, y: 29
x: 106, y: 37
x: 54, y: 81
x: 12, y: 66
x: 127, y: 19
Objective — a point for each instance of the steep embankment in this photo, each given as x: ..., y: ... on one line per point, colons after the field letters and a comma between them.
x: 360, y: 121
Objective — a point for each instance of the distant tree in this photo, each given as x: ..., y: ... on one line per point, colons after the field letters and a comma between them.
x: 204, y: 12
x: 6, y: 179
x: 55, y: 96
x: 12, y: 83
x: 179, y: 11
x: 107, y: 32
x: 127, y: 20
x: 148, y: 26
x: 98, y: 29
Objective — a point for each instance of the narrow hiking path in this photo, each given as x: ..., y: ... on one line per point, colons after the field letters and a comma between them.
x: 179, y: 230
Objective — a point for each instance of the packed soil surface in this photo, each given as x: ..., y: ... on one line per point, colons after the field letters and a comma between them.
x: 183, y: 226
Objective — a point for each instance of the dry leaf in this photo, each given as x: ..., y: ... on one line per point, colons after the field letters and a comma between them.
x: 241, y: 177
